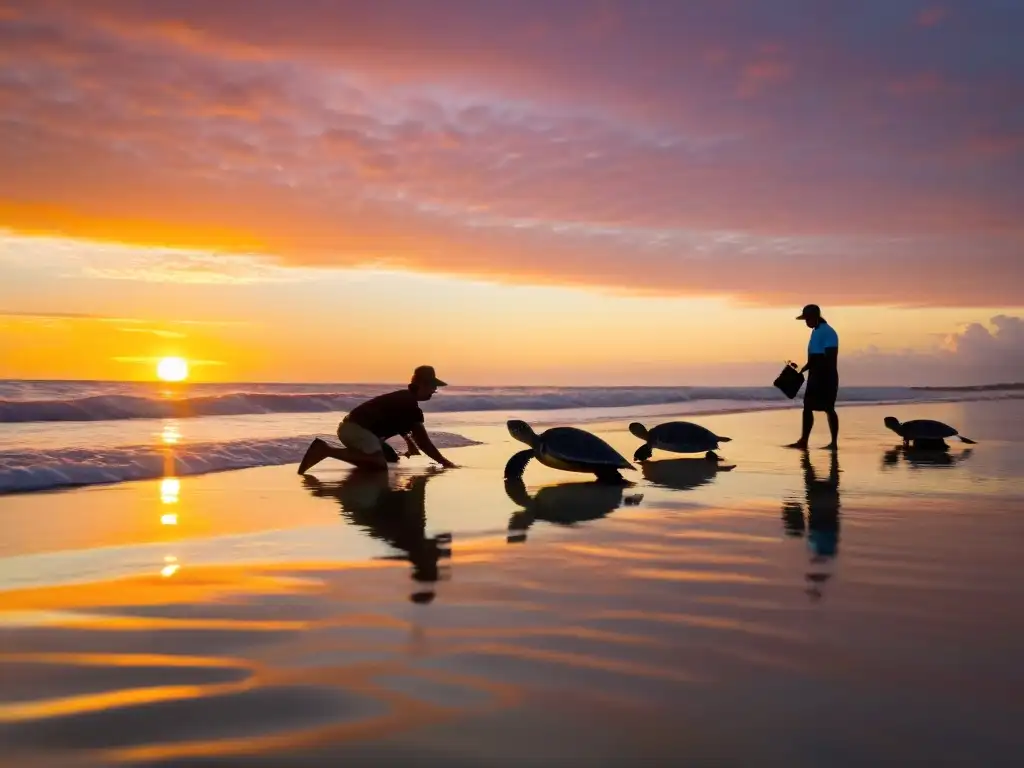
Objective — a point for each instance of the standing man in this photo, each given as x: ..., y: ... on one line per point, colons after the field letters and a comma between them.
x: 822, y: 378
x: 369, y: 424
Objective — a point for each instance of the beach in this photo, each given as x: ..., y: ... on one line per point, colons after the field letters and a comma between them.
x: 852, y: 608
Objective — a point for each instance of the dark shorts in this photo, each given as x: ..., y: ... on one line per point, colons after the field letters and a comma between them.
x: 821, y: 392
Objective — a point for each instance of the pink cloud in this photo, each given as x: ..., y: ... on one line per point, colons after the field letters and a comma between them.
x: 925, y: 83
x: 974, y: 355
x: 763, y: 73
x: 931, y: 17
x: 1004, y: 144
x: 346, y: 135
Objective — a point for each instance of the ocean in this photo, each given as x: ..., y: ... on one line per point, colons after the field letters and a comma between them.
x: 56, y: 434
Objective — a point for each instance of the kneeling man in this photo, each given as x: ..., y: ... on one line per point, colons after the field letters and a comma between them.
x: 369, y: 424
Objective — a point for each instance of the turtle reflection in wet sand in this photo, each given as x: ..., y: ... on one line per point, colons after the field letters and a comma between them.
x: 682, y: 474
x: 918, y: 457
x: 565, y: 504
x: 566, y: 448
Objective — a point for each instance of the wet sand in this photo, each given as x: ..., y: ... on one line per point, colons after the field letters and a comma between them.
x: 848, y: 609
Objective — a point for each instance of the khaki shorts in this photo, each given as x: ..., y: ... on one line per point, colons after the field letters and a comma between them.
x: 359, y: 438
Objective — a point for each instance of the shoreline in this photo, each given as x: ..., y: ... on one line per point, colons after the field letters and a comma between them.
x: 271, y: 509
x: 541, y: 417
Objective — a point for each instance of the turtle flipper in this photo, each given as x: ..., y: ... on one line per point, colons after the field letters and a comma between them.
x: 611, y: 476
x: 517, y: 464
x: 967, y: 440
x: 643, y: 453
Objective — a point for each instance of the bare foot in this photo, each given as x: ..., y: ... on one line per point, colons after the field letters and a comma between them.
x: 831, y: 447
x: 800, y: 444
x: 316, y: 453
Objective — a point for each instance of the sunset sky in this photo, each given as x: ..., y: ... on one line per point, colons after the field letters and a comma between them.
x: 557, y: 192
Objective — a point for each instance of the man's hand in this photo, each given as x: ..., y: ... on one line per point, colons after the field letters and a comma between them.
x: 412, y: 450
x: 419, y: 434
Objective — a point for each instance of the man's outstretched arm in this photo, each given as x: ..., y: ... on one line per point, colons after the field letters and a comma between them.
x: 411, y: 449
x: 419, y: 434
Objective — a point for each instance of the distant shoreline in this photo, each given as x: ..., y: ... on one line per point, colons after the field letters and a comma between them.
x: 974, y: 388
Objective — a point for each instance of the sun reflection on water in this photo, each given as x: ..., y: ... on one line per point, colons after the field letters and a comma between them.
x: 171, y: 434
x: 171, y: 566
x: 170, y: 490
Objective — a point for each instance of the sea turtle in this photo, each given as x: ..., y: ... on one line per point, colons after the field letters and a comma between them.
x: 924, y: 433
x: 682, y: 474
x: 678, y: 437
x: 568, y: 448
x: 563, y: 504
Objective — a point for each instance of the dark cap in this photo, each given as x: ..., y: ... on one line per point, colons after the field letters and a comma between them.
x: 425, y: 375
x: 811, y: 310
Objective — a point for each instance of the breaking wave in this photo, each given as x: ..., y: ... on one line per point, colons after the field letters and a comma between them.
x: 118, y: 406
x: 36, y: 470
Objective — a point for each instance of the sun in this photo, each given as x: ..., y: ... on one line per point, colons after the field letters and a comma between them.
x: 172, y: 369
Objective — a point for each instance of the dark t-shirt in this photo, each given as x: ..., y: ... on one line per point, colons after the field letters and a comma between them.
x: 388, y: 415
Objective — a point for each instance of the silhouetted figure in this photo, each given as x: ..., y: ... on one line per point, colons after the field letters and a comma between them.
x: 365, y: 429
x: 394, y: 515
x: 563, y: 504
x: 823, y: 375
x: 821, y: 497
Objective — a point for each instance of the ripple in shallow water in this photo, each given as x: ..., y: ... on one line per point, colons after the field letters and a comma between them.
x: 655, y: 629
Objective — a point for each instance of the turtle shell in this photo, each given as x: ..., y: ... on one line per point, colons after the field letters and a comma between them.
x: 926, y: 429
x: 575, y: 446
x: 684, y: 437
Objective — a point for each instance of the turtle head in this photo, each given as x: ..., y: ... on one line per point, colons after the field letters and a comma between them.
x: 522, y: 432
x: 892, y: 423
x: 638, y: 430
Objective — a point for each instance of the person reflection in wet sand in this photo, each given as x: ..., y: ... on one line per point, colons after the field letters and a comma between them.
x: 821, y: 497
x: 564, y: 504
x: 397, y: 516
x: 924, y: 457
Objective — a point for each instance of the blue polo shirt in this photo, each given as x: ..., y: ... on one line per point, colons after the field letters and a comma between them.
x: 823, y: 337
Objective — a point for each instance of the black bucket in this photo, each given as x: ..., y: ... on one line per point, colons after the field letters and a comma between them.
x: 790, y: 380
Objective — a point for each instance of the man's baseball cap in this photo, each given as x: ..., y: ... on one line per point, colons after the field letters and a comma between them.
x: 425, y: 374
x: 811, y: 310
